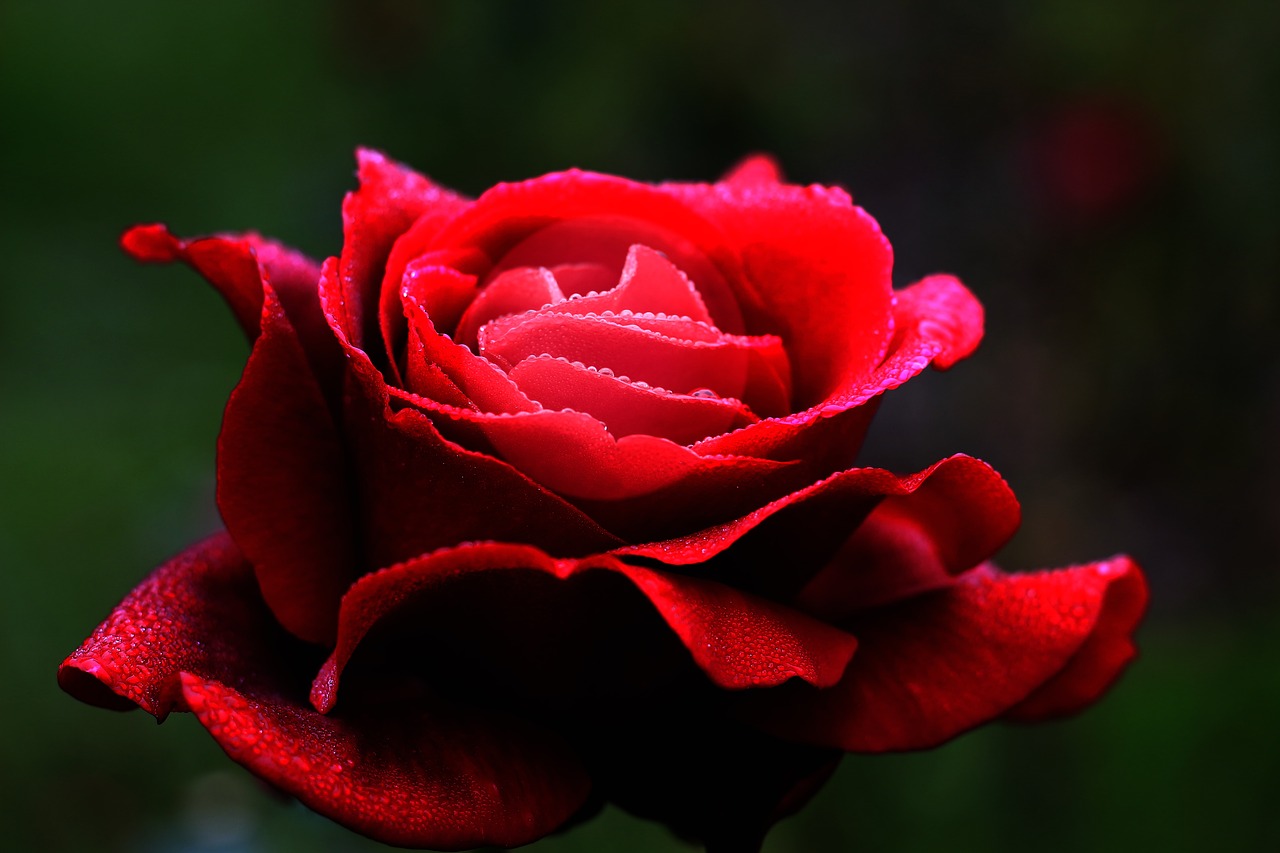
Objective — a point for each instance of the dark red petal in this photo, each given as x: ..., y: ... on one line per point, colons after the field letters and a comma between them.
x: 513, y: 292
x: 420, y: 491
x: 282, y: 482
x: 817, y: 273
x: 1102, y: 657
x: 939, y: 664
x: 407, y: 774
x: 960, y: 509
x: 754, y: 170
x: 961, y: 514
x: 238, y: 266
x: 624, y: 407
x: 390, y: 199
x: 737, y: 639
x: 189, y: 615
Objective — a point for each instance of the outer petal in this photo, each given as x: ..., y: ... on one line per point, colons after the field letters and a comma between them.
x: 187, y: 616
x: 737, y: 639
x: 409, y: 773
x: 390, y: 198
x: 1102, y: 657
x: 283, y: 486
x: 816, y: 272
x: 960, y: 509
x: 239, y: 266
x: 939, y: 664
x: 936, y: 320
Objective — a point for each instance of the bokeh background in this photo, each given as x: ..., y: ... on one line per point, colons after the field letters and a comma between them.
x: 1103, y: 175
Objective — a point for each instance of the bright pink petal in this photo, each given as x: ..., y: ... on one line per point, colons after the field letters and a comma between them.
x: 650, y: 283
x: 188, y: 616
x: 732, y: 366
x: 625, y: 407
x: 737, y: 639
x: 1103, y: 656
x: 939, y: 664
x: 483, y: 383
x: 410, y: 773
x: 513, y: 292
x: 282, y: 483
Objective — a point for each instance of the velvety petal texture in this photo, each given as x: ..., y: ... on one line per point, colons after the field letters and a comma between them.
x: 553, y: 497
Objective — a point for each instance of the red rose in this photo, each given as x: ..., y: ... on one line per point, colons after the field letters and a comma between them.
x: 547, y: 498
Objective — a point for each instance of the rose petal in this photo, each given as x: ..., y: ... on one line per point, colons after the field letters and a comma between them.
x: 482, y: 383
x: 754, y: 170
x: 960, y: 504
x: 1102, y: 657
x: 624, y: 407
x: 390, y: 199
x: 936, y: 320
x: 573, y: 453
x: 737, y: 639
x: 238, y: 266
x: 513, y: 292
x: 189, y: 615
x: 732, y: 366
x: 961, y: 513
x: 282, y: 483
x: 939, y: 664
x: 411, y: 774
x: 817, y: 273
x: 583, y: 217
x: 650, y: 283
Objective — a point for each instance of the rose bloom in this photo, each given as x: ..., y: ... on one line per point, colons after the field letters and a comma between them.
x: 548, y: 499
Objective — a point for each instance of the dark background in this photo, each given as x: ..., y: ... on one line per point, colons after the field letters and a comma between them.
x: 1103, y: 175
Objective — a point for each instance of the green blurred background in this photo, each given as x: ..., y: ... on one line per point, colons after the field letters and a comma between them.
x: 1103, y: 175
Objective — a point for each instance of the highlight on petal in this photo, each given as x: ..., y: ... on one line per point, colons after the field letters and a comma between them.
x: 1103, y: 656
x: 936, y: 665
x: 188, y: 616
x: 737, y: 639
x: 413, y: 773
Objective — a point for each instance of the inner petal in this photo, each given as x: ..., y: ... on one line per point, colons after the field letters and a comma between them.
x: 680, y: 365
x: 626, y: 407
x: 649, y: 284
x: 514, y: 291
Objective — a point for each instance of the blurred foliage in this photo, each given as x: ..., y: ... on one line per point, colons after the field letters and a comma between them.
x: 1104, y: 175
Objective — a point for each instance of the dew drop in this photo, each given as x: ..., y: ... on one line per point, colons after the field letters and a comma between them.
x: 704, y: 393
